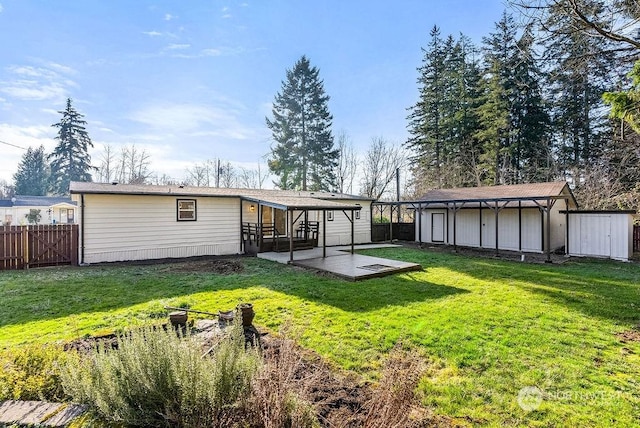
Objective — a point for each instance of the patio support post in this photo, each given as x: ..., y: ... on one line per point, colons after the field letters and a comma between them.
x: 391, y: 223
x: 324, y: 233
x: 290, y: 217
x: 241, y: 226
x: 352, y: 230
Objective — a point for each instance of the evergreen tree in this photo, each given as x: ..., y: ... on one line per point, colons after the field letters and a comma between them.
x: 532, y: 155
x: 304, y: 156
x: 32, y: 177
x: 443, y: 121
x: 498, y: 99
x: 425, y: 116
x: 514, y: 129
x: 70, y: 160
x: 580, y: 71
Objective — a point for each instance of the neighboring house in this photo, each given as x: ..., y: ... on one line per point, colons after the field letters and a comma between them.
x: 120, y: 222
x: 521, y: 217
x: 52, y: 209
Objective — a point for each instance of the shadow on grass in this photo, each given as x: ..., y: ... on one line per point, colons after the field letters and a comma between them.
x: 603, y: 289
x: 58, y: 293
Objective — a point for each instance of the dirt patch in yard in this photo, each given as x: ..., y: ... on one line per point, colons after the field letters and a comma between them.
x: 632, y: 335
x: 216, y: 266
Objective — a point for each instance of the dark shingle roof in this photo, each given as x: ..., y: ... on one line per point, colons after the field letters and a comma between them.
x: 514, y: 192
x: 35, y: 201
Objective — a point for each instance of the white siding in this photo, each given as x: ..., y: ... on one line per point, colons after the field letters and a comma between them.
x: 339, y: 230
x: 130, y: 227
x: 604, y: 234
x: 468, y: 228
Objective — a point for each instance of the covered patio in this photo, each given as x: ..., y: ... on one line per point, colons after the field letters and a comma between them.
x: 342, y: 262
x: 287, y: 226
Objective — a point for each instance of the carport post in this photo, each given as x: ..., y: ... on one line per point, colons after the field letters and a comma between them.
x: 497, y: 214
x: 420, y: 224
x: 548, y: 231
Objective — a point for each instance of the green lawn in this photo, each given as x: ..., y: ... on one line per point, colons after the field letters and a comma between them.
x: 489, y: 328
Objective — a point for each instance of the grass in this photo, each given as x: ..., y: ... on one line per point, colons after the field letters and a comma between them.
x: 488, y: 327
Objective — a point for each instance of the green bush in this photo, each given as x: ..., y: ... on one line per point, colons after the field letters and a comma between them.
x: 32, y: 372
x: 157, y: 378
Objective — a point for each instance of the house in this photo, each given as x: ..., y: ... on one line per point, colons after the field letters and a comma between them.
x: 522, y: 217
x: 52, y: 210
x: 121, y: 222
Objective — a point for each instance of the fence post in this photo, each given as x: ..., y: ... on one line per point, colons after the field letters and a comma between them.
x: 24, y: 230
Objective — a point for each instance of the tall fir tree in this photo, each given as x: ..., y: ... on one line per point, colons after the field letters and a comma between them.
x: 426, y: 115
x: 70, y: 160
x: 32, y: 177
x: 304, y: 156
x: 498, y: 99
x: 443, y: 120
x: 514, y: 124
x: 580, y: 72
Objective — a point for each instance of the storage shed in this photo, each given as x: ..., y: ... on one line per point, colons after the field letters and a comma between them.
x: 120, y: 222
x: 601, y: 234
x: 521, y: 217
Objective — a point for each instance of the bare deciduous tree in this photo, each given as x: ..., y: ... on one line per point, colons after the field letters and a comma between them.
x: 130, y: 166
x: 347, y: 164
x: 252, y: 178
x: 379, y: 166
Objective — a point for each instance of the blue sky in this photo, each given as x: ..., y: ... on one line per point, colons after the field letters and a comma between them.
x: 193, y: 80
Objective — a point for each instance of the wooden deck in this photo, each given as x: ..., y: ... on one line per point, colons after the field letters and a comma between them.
x: 353, y: 267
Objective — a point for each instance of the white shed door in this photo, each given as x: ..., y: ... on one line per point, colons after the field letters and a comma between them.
x: 595, y: 235
x: 437, y: 227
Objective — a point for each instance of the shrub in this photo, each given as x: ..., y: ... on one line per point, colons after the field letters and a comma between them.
x: 277, y: 397
x: 394, y: 402
x: 158, y: 378
x: 32, y: 372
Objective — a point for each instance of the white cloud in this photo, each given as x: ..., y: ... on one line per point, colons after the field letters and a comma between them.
x: 152, y: 33
x: 227, y: 16
x: 178, y: 46
x: 1, y: 8
x: 169, y: 17
x: 26, y: 82
x: 226, y: 8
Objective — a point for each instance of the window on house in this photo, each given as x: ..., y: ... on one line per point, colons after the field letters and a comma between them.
x: 186, y: 210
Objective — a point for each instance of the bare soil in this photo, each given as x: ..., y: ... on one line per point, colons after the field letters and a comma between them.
x: 215, y: 266
x: 632, y: 335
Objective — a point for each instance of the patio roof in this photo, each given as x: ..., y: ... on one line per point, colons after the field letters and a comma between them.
x: 297, y: 203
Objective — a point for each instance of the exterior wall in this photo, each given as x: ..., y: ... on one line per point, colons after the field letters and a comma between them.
x: 339, y: 229
x: 18, y: 215
x: 601, y: 235
x: 130, y: 227
x: 468, y: 228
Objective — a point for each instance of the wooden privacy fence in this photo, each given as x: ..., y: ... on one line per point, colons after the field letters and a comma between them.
x: 402, y: 231
x: 636, y: 237
x: 23, y: 247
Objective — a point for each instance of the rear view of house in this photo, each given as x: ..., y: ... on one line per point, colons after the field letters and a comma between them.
x: 120, y: 222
